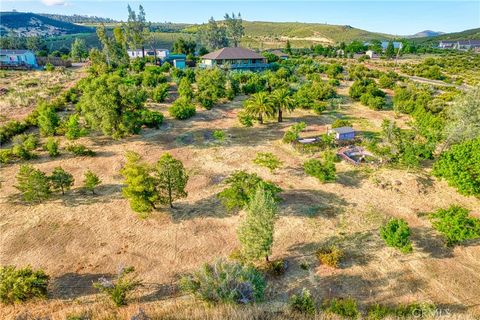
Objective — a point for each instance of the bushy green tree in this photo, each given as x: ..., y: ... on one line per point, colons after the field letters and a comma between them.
x: 256, y: 231
x: 110, y: 105
x: 241, y: 189
x: 78, y: 52
x: 139, y: 184
x: 293, y: 132
x: 73, y: 130
x: 171, y: 179
x: 460, y: 166
x: 235, y: 29
x: 47, y: 120
x: 341, y: 123
x: 18, y: 285
x: 182, y: 109
x: 91, y: 181
x: 51, y: 146
x: 33, y: 184
x: 225, y: 282
x: 396, y: 233
x: 324, y: 170
x: 160, y: 92
x: 61, y: 180
x: 185, y: 89
x: 211, y: 84
x: 456, y: 225
x: 268, y: 160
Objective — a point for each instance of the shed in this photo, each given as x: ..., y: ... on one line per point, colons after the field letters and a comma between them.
x: 280, y: 54
x: 371, y: 54
x: 18, y: 58
x: 343, y: 133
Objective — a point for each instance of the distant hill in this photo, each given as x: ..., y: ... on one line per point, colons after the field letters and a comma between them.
x: 79, y: 19
x: 31, y: 24
x: 426, y: 34
x: 260, y: 34
x: 471, y: 34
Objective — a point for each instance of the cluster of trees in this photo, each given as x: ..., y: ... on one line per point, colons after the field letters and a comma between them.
x: 216, y: 35
x: 147, y: 185
x: 36, y: 186
x: 366, y: 91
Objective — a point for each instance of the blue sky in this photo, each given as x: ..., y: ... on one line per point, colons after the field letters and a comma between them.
x: 394, y: 17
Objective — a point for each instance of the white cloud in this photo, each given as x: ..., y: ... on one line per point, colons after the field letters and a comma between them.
x: 54, y: 2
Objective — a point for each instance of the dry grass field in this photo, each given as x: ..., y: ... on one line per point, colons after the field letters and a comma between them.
x: 22, y: 90
x: 80, y: 237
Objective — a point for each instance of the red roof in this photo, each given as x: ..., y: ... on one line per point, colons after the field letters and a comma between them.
x: 232, y: 53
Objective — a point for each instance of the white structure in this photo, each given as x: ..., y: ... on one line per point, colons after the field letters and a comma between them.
x: 159, y: 53
x: 371, y: 54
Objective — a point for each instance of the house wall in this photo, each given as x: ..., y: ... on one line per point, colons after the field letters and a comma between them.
x: 346, y: 136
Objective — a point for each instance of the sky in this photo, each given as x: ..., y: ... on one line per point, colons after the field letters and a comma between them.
x: 388, y: 16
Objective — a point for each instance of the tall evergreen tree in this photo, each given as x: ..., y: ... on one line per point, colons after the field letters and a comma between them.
x: 214, y: 35
x: 91, y: 181
x: 47, y: 120
x: 78, y: 50
x: 33, y: 184
x: 171, y: 179
x: 256, y: 231
x: 139, y: 184
x: 61, y: 180
x: 235, y: 29
x: 390, y: 51
x: 137, y: 29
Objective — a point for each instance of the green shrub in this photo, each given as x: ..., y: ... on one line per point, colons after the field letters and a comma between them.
x: 293, y: 133
x: 33, y: 184
x: 225, y: 282
x: 396, y: 233
x: 218, y: 135
x: 456, y: 225
x: 49, y: 67
x: 267, y: 160
x: 324, y: 170
x: 302, y: 303
x: 413, y: 310
x: 460, y: 166
x: 341, y: 123
x: 120, y: 287
x: 51, y: 146
x: 346, y: 308
x: 151, y: 119
x: 17, y: 285
x: 241, y: 189
x: 160, y: 92
x: 245, y: 119
x: 11, y: 129
x: 80, y: 150
x: 330, y: 256
x: 6, y: 156
x: 275, y: 268
x: 182, y: 109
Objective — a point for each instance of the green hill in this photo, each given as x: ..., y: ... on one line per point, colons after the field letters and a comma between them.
x: 31, y: 24
x: 471, y: 34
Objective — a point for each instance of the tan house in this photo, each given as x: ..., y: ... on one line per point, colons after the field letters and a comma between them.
x: 235, y: 59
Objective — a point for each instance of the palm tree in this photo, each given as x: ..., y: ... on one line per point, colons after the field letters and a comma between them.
x: 282, y: 101
x: 259, y: 105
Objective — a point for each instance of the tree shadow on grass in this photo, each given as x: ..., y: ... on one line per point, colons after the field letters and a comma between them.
x: 430, y: 242
x: 311, y: 203
x: 206, y: 207
x: 352, y: 178
x: 74, y: 285
x: 159, y: 291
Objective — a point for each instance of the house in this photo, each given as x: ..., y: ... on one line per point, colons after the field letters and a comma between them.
x: 447, y: 44
x: 280, y: 54
x: 23, y: 59
x: 342, y: 133
x: 178, y: 60
x: 468, y: 45
x: 371, y: 54
x: 235, y: 59
x: 138, y: 53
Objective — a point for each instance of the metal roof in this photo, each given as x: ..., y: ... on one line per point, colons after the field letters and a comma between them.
x: 230, y: 53
x: 8, y: 51
x: 343, y: 130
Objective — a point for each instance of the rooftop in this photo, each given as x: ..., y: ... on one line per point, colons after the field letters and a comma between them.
x: 8, y: 51
x: 279, y: 53
x: 230, y: 53
x: 343, y: 130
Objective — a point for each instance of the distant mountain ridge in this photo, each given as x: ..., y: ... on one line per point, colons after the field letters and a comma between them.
x: 471, y: 34
x: 427, y: 33
x: 32, y: 24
